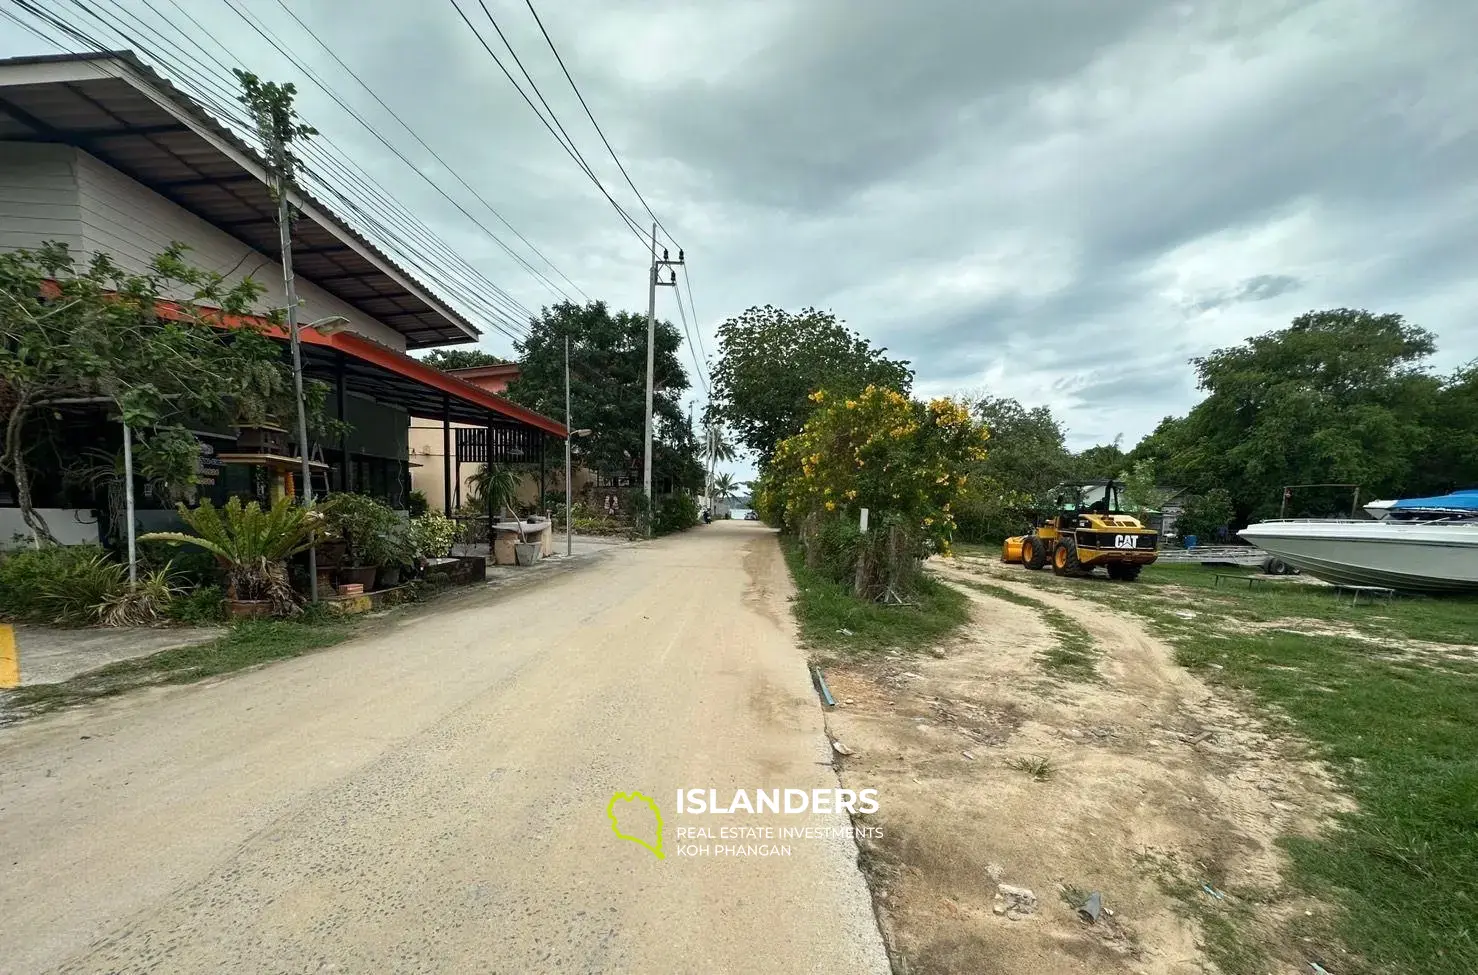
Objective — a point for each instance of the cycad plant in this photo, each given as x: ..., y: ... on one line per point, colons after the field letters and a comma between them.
x: 493, y: 486
x: 252, y: 544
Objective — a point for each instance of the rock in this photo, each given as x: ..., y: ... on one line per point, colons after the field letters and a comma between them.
x: 968, y: 755
x: 840, y: 749
x: 1015, y: 903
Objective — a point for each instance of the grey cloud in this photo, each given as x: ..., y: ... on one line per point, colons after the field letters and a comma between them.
x: 1263, y: 287
x: 1063, y: 157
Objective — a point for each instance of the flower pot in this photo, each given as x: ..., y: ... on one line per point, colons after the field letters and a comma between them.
x: 526, y: 553
x: 389, y: 577
x: 363, y: 575
x: 249, y: 609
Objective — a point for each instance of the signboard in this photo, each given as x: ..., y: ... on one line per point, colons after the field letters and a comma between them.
x: 207, y: 465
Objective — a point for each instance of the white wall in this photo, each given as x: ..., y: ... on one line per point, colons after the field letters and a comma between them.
x: 38, y: 196
x: 50, y: 192
x: 133, y: 223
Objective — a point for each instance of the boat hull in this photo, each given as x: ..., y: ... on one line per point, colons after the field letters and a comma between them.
x: 1413, y: 557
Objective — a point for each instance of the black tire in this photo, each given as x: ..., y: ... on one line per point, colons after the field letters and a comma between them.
x: 1065, y: 557
x: 1032, y: 555
x: 1274, y: 566
x: 1124, y: 571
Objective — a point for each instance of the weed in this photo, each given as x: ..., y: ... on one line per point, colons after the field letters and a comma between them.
x: 1039, y: 767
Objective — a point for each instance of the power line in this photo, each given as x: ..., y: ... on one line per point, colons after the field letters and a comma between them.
x: 688, y: 284
x: 591, y: 116
x: 228, y: 112
x: 281, y: 48
x: 687, y: 280
x: 569, y: 149
x: 392, y: 210
x: 692, y: 351
x: 434, y: 154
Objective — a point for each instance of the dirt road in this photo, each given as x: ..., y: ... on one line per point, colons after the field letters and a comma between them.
x: 433, y: 798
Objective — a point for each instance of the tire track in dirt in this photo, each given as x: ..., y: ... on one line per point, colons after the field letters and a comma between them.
x: 1156, y: 786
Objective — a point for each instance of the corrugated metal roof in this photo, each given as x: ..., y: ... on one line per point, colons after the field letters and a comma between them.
x: 116, y: 108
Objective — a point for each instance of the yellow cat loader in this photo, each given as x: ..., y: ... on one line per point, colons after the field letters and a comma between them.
x: 1087, y: 529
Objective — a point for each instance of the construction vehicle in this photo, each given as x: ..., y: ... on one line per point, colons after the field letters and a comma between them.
x: 1086, y: 528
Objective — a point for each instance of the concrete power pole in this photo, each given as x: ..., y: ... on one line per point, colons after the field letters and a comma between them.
x: 653, y: 282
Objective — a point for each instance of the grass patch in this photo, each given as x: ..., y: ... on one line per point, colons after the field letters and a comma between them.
x: 246, y: 644
x: 1401, y: 732
x: 1072, y: 654
x: 825, y: 608
x: 1039, y: 767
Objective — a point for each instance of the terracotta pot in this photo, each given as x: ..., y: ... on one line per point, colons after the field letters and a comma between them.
x: 249, y: 609
x: 364, y: 575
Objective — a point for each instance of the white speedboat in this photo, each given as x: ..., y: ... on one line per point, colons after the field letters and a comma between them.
x: 1415, y: 556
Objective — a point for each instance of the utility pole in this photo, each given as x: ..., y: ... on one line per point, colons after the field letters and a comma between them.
x: 271, y: 107
x: 653, y: 281
x: 284, y: 233
x: 569, y: 479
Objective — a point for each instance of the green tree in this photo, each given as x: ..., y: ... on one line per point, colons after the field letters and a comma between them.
x: 608, y: 389
x: 1027, y: 458
x: 1142, y: 490
x: 725, y: 487
x: 445, y: 359
x: 98, y: 333
x: 1338, y: 396
x: 1203, y: 515
x: 1099, y: 462
x: 770, y: 361
x: 1451, y: 460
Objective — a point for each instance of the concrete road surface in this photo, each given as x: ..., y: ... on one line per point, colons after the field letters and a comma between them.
x: 432, y: 798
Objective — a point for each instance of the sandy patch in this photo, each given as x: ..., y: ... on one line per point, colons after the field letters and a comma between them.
x: 1154, y: 786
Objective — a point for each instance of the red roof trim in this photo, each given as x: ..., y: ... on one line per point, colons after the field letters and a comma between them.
x: 351, y: 343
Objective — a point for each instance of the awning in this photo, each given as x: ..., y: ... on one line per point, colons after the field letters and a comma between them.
x: 391, y: 377
x: 115, y: 108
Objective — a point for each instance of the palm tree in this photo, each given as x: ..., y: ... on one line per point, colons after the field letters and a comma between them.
x: 725, y: 487
x: 715, y: 447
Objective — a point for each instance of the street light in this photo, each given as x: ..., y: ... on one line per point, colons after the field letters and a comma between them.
x: 569, y: 486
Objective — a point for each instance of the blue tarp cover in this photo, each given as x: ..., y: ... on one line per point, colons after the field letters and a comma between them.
x: 1457, y: 501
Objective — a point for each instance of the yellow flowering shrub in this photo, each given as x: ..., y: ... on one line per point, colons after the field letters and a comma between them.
x: 902, y: 459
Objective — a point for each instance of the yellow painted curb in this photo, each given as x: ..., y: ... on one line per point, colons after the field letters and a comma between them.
x: 10, y: 658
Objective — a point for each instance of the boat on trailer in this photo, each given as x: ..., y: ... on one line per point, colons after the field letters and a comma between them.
x: 1420, y: 545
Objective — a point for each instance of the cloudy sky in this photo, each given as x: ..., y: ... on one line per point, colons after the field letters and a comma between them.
x: 1056, y: 200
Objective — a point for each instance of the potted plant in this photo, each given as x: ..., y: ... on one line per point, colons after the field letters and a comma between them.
x: 362, y: 523
x: 431, y: 536
x: 252, y: 545
x: 391, y: 551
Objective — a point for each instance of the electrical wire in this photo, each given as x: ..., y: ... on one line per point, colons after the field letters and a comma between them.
x: 590, y: 115
x: 692, y: 350
x: 554, y: 49
x: 434, y: 154
x: 282, y: 49
x: 228, y: 111
x: 569, y: 150
x: 504, y: 319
